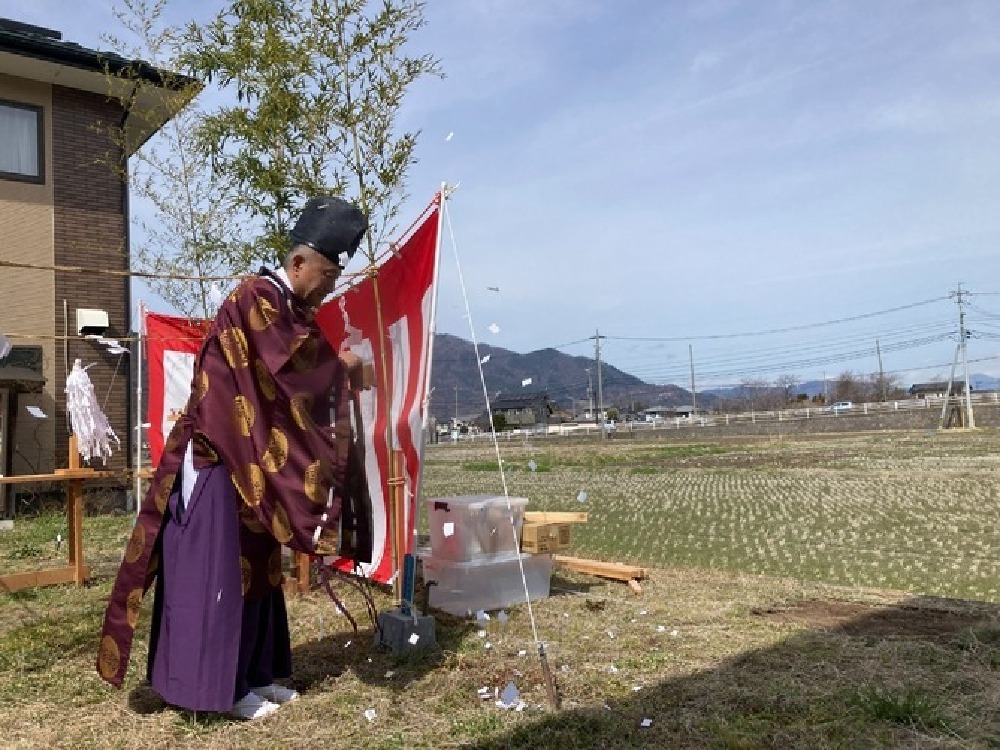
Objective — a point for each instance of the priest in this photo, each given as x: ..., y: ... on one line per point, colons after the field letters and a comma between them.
x: 261, y: 457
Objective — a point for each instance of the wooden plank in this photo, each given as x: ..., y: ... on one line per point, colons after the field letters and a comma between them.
x: 544, y: 516
x: 17, y: 581
x: 65, y: 476
x: 617, y: 571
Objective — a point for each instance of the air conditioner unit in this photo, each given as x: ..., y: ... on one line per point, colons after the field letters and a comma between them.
x: 91, y: 322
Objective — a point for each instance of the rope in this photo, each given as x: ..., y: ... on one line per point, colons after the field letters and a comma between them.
x: 496, y: 443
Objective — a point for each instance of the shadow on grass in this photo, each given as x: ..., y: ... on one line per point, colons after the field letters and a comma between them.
x: 917, y: 674
x: 325, y: 659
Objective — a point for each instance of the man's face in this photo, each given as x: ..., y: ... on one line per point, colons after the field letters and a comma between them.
x: 313, y: 277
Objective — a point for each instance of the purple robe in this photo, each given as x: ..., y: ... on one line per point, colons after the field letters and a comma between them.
x: 269, y: 408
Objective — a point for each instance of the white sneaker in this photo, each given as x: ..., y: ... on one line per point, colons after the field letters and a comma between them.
x: 252, y: 706
x: 276, y: 693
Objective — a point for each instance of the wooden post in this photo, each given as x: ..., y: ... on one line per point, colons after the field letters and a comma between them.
x: 74, y: 515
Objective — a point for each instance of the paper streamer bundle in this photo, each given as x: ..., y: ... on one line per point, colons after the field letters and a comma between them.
x: 93, y: 433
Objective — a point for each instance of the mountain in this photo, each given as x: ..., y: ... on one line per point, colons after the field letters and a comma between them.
x: 456, y: 388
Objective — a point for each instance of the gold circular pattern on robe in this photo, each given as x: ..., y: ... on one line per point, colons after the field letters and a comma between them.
x: 163, y: 491
x: 304, y: 356
x: 280, y: 526
x: 132, y: 603
x: 301, y: 404
x: 264, y: 380
x: 249, y: 519
x: 200, y: 386
x: 317, y: 481
x: 243, y: 415
x: 108, y: 658
x: 276, y: 454
x: 250, y: 484
x: 274, y: 567
x: 246, y: 574
x: 234, y: 346
x: 262, y: 314
x: 136, y: 544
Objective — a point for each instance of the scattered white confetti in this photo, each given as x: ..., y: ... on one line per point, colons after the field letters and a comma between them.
x: 413, y: 639
x: 348, y: 644
x: 660, y: 629
x: 611, y: 634
x: 564, y: 668
x: 526, y: 381
x: 494, y: 328
x: 673, y: 633
x: 510, y: 696
x: 482, y: 616
x: 532, y: 465
x: 612, y: 669
x: 481, y: 633
x: 581, y: 497
x: 389, y: 674
x: 448, y: 529
x: 218, y: 597
x: 449, y: 136
x: 502, y: 617
x: 485, y: 359
x: 522, y: 652
x: 487, y: 645
x: 643, y: 612
x: 632, y: 620
x: 636, y: 688
x: 565, y: 614
x: 370, y: 714
x: 646, y: 723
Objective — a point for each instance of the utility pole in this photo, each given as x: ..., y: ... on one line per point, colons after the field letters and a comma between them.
x: 456, y: 407
x: 881, y: 373
x: 600, y: 388
x: 694, y: 397
x: 590, y: 393
x: 963, y: 335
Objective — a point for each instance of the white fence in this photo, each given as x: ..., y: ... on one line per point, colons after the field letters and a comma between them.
x: 715, y: 420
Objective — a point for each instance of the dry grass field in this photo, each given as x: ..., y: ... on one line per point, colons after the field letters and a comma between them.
x: 825, y: 593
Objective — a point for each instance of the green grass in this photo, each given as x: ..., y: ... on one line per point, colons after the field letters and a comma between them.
x: 740, y: 639
x: 916, y: 513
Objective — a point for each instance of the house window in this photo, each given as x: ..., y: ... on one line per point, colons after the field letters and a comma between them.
x: 21, y: 142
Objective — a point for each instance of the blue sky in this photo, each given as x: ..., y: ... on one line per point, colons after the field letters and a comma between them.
x: 691, y: 170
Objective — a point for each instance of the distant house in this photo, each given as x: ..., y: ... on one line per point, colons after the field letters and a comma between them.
x: 524, y: 410
x: 658, y: 412
x: 684, y: 411
x: 938, y: 389
x: 64, y: 206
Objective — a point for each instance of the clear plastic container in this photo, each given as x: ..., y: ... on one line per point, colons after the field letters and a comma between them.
x: 474, y: 527
x: 461, y: 588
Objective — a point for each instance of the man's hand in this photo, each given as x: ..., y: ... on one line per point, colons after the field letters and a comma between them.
x: 355, y: 369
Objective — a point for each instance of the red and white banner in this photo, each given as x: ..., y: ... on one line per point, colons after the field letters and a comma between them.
x: 402, y: 292
x: 171, y: 346
x: 400, y: 295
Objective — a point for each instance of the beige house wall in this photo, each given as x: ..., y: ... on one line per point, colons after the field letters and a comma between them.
x: 28, y: 315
